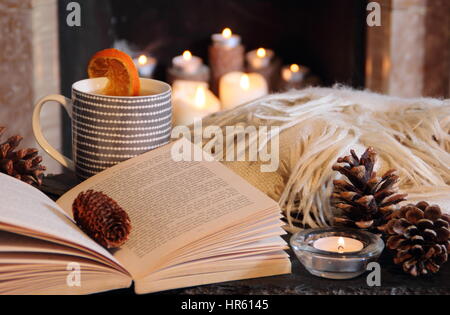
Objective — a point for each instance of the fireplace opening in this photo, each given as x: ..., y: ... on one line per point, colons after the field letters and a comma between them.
x: 326, y: 36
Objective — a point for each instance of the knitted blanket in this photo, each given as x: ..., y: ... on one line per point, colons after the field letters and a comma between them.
x: 318, y: 125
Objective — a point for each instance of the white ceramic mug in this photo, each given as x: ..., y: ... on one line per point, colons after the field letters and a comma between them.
x: 107, y: 130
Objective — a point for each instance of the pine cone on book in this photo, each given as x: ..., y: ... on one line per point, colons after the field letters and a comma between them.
x: 23, y: 164
x: 101, y: 218
x: 365, y: 201
x: 420, y: 236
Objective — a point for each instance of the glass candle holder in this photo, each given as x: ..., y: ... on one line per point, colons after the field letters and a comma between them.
x: 336, y: 264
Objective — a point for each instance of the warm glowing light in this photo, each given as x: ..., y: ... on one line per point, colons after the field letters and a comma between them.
x: 295, y: 68
x: 227, y: 33
x: 187, y: 55
x: 341, y: 245
x: 200, y: 97
x: 245, y: 82
x: 143, y: 60
x: 261, y: 52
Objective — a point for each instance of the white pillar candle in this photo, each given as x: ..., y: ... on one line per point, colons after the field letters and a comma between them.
x: 337, y: 244
x: 187, y: 62
x: 226, y: 39
x: 146, y: 65
x: 237, y: 88
x: 192, y: 100
x: 259, y: 58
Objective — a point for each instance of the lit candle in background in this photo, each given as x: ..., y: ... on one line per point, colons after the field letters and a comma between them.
x: 339, y: 244
x: 245, y: 82
x: 293, y: 73
x: 187, y: 62
x: 227, y: 32
x: 142, y: 60
x: 192, y: 100
x: 187, y: 55
x: 146, y: 65
x: 226, y: 39
x: 237, y: 88
x: 226, y: 54
x: 259, y: 58
x: 200, y: 97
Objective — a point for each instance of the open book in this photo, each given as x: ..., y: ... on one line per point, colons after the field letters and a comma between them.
x: 193, y: 223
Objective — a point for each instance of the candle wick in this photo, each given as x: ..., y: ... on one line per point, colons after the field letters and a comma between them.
x: 340, y: 249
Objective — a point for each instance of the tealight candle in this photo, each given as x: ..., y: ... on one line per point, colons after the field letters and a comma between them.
x: 226, y: 39
x: 293, y: 73
x: 146, y: 65
x: 338, y: 244
x: 336, y: 253
x: 192, y: 100
x: 259, y: 58
x: 237, y: 88
x: 187, y: 62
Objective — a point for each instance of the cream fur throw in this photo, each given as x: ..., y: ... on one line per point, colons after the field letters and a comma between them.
x: 320, y: 124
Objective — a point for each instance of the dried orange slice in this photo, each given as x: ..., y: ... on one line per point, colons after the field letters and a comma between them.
x: 119, y: 68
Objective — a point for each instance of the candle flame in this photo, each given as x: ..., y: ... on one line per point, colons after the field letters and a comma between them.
x: 227, y: 33
x: 245, y: 82
x: 341, y: 245
x: 142, y: 59
x: 187, y: 55
x: 295, y: 68
x: 261, y: 52
x: 200, y: 97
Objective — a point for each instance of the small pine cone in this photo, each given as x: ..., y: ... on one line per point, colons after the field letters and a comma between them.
x: 420, y: 236
x: 23, y: 164
x: 101, y: 218
x: 365, y: 201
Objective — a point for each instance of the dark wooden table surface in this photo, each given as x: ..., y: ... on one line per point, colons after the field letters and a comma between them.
x: 393, y: 280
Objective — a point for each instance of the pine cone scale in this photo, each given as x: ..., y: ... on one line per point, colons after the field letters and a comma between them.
x: 442, y: 234
x: 7, y: 167
x: 364, y: 224
x: 4, y: 149
x: 393, y: 200
x: 395, y: 242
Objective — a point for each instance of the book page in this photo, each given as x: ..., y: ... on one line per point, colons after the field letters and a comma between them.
x: 24, y: 207
x: 11, y: 242
x: 172, y: 203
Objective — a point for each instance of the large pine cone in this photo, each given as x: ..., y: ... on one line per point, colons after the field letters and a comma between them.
x: 101, y: 218
x: 420, y: 236
x: 365, y: 201
x: 23, y: 164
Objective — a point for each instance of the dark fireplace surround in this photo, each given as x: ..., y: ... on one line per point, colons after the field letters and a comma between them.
x: 326, y: 35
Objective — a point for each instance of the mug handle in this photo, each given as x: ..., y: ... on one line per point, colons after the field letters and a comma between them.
x: 37, y: 130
